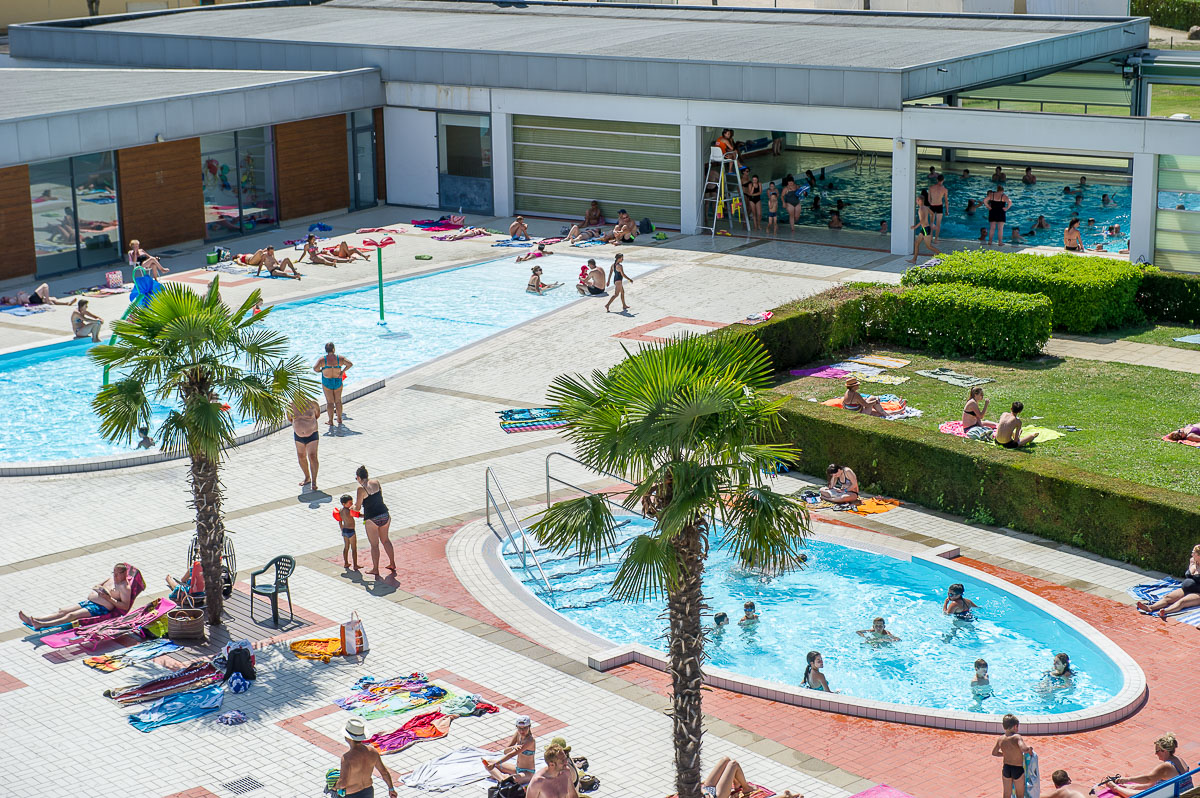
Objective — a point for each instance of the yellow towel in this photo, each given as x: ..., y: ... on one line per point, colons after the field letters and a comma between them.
x: 322, y: 648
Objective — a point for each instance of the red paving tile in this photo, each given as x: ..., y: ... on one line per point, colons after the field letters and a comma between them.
x: 642, y: 331
x: 9, y: 682
x: 194, y: 792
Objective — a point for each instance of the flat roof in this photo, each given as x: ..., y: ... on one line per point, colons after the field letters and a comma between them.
x: 859, y: 59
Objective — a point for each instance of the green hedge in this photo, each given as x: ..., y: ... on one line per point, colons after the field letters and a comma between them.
x: 1177, y: 14
x: 1147, y: 526
x: 1089, y: 293
x: 956, y: 319
x: 1165, y: 296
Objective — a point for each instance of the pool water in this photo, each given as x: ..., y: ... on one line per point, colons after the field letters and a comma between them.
x: 868, y: 198
x: 47, y: 392
x: 821, y: 607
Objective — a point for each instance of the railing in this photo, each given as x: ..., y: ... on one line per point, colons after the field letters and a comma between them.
x: 604, y: 496
x: 526, y: 549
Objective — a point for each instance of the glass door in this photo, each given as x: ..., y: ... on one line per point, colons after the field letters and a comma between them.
x: 74, y: 206
x: 360, y: 146
x: 238, y: 178
x: 465, y: 162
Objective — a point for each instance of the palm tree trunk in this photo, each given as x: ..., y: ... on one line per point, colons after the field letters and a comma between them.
x: 686, y: 651
x: 210, y: 529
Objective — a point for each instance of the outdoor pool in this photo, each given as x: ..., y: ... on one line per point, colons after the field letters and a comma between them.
x: 47, y: 391
x: 839, y: 592
x: 868, y: 200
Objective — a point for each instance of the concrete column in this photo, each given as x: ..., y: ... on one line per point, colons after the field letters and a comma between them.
x: 502, y: 172
x: 904, y: 193
x: 691, y: 178
x: 1145, y: 206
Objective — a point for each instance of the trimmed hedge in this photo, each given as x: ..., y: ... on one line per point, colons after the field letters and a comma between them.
x: 957, y: 319
x: 1088, y: 293
x: 1177, y: 14
x: 1149, y: 527
x: 1165, y: 296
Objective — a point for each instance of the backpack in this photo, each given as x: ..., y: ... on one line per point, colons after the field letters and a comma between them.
x: 646, y: 226
x: 240, y: 661
x: 507, y: 789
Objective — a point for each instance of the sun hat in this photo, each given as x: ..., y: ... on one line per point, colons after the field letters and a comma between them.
x: 852, y: 382
x: 561, y: 742
x: 356, y: 730
x: 524, y: 721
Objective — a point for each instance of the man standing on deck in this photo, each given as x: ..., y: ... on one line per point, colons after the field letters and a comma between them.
x: 938, y: 199
x: 359, y: 762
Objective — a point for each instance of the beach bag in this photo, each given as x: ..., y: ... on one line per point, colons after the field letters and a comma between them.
x: 507, y: 789
x: 646, y: 226
x: 354, y: 636
x: 114, y: 279
x: 331, y: 779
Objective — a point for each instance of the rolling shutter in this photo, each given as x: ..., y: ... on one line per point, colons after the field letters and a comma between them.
x: 560, y: 165
x: 1177, y: 233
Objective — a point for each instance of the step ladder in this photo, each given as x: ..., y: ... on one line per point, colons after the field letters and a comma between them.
x: 722, y: 195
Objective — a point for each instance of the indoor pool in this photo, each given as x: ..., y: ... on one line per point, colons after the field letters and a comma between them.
x: 48, y: 390
x: 868, y: 198
x: 821, y: 608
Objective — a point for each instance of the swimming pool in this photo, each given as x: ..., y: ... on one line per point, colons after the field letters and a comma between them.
x: 47, y: 391
x: 868, y: 201
x: 840, y: 591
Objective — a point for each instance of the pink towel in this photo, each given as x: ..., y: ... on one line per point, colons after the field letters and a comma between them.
x: 881, y: 791
x: 1185, y: 443
x: 952, y: 428
x: 824, y: 372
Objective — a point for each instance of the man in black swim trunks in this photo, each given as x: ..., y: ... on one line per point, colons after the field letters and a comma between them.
x: 939, y: 197
x: 1008, y: 429
x: 596, y: 281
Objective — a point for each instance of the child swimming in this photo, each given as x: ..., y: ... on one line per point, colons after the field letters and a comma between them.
x: 878, y: 633
x: 981, y: 685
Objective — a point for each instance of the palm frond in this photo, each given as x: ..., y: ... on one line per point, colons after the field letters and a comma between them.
x: 122, y: 407
x: 582, y: 526
x: 765, y: 529
x: 649, y: 569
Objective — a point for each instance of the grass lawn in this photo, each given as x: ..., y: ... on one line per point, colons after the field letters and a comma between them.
x: 1171, y: 98
x: 1123, y: 410
x: 1159, y: 334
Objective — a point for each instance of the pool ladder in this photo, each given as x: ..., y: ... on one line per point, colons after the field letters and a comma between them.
x: 862, y: 157
x: 604, y: 496
x: 512, y: 532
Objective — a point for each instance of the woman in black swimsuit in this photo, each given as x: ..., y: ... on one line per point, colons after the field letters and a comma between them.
x: 376, y: 518
x: 618, y: 278
x: 791, y: 198
x: 754, y: 201
x: 140, y: 257
x: 998, y: 204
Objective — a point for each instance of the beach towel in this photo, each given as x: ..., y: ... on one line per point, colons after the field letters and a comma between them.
x: 428, y: 726
x: 756, y: 318
x: 528, y: 414
x: 21, y: 310
x: 759, y: 791
x: 467, y: 705
x: 447, y: 237
x: 454, y: 769
x: 194, y: 676
x: 1044, y: 433
x: 824, y: 372
x: 319, y: 227
x: 375, y: 699
x: 322, y: 648
x: 1189, y: 339
x: 874, y: 506
x: 885, y: 379
x: 881, y: 361
x: 112, y: 627
x: 439, y: 226
x: 591, y: 242
x: 857, y: 368
x: 954, y: 378
x: 894, y: 408
x: 513, y: 242
x: 178, y: 708
x: 530, y: 426
x: 881, y: 791
x: 1153, y: 591
x: 1185, y: 443
x: 139, y: 653
x: 395, y: 230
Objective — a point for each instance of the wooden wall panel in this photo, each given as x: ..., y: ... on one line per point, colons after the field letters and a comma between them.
x: 160, y: 193
x: 380, y: 162
x: 16, y: 224
x: 311, y: 166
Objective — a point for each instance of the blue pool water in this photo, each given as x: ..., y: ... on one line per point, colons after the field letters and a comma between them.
x: 47, y: 392
x: 868, y: 198
x: 839, y: 592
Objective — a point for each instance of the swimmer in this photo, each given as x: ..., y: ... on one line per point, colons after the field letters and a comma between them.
x: 981, y: 685
x: 957, y: 604
x: 750, y: 617
x: 1107, y: 201
x: 813, y: 678
x: 878, y: 633
x: 146, y: 442
x: 1060, y: 673
x: 541, y: 251
x: 535, y: 284
x: 972, y: 206
x: 720, y: 619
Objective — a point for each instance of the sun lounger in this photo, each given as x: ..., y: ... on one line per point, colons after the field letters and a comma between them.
x: 113, y: 628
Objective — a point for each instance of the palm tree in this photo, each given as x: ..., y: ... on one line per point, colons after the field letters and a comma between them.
x: 686, y: 423
x: 189, y: 351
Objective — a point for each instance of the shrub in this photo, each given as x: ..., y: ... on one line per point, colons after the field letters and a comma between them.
x: 1166, y: 296
x: 1150, y: 527
x: 1088, y: 293
x: 958, y: 319
x: 1177, y: 14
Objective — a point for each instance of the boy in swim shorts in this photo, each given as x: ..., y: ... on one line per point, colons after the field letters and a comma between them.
x: 1012, y: 748
x: 345, y: 519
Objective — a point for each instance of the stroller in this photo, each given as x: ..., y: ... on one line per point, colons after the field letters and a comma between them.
x: 228, y: 562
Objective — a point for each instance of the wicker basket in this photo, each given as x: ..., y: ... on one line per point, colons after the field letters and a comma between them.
x: 185, y: 624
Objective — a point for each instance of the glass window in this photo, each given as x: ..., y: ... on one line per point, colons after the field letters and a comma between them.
x: 360, y: 158
x: 465, y: 145
x: 74, y: 203
x: 238, y: 178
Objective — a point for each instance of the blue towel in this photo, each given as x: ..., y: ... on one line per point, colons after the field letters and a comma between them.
x: 178, y: 708
x: 513, y: 242
x: 1190, y: 339
x: 1154, y: 591
x: 591, y: 242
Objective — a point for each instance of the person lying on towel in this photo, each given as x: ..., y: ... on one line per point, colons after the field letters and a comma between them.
x: 842, y: 487
x: 1188, y: 433
x: 114, y: 595
x: 857, y: 403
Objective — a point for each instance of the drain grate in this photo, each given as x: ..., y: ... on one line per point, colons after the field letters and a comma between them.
x: 243, y: 785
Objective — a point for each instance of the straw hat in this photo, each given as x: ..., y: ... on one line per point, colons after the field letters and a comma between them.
x: 356, y: 730
x: 852, y: 382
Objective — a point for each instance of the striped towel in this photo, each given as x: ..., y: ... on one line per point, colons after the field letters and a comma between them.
x: 881, y: 361
x: 530, y: 426
x: 1153, y: 591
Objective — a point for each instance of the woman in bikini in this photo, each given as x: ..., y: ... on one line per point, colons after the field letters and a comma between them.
x: 140, y: 257
x: 535, y: 284
x: 998, y: 204
x: 923, y: 228
x: 1169, y: 767
x: 973, y: 414
x: 349, y: 253
x: 813, y: 678
x: 593, y: 217
x: 855, y: 402
x: 753, y: 194
x: 957, y: 604
x: 376, y: 519
x: 1184, y: 597
x: 333, y: 377
x: 1072, y: 240
x: 618, y: 278
x: 315, y: 255
x: 523, y: 747
x: 1188, y: 433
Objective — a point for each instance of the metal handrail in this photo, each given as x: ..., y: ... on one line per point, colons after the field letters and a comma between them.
x: 526, y: 548
x: 583, y: 489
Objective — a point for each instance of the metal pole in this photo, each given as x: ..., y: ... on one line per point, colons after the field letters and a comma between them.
x: 379, y: 260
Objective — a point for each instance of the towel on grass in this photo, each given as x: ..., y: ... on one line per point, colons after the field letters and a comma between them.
x: 139, y: 653
x: 1044, y: 433
x: 1153, y: 591
x: 857, y: 368
x: 824, y: 372
x: 1189, y: 339
x: 759, y: 791
x: 882, y: 361
x: 756, y: 318
x: 894, y: 408
x: 885, y: 379
x: 178, y: 708
x: 455, y: 769
x: 954, y: 378
x: 1185, y: 443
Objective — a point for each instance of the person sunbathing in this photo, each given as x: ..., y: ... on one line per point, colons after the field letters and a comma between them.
x: 40, y: 296
x: 843, y: 485
x: 1168, y: 768
x: 855, y: 402
x: 973, y: 414
x: 1184, y: 597
x: 522, y: 746
x: 349, y: 253
x: 1188, y: 433
x: 316, y: 256
x: 136, y: 256
x: 276, y: 268
x: 579, y: 234
x: 466, y: 232
x: 114, y: 595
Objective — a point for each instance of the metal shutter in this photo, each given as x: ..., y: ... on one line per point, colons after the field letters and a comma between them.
x: 561, y: 165
x: 1177, y: 232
